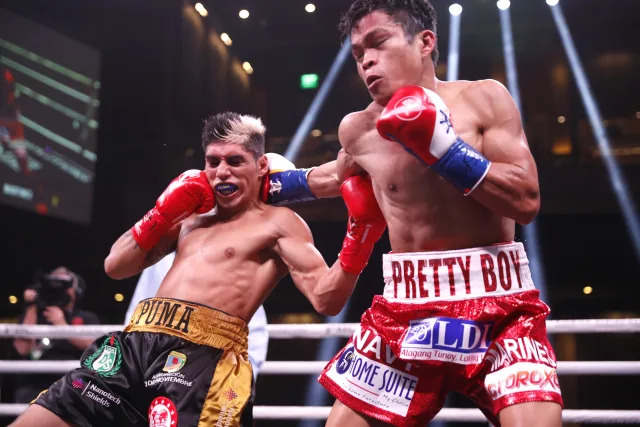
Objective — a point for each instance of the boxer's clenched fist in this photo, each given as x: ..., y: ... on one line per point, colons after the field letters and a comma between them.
x: 188, y: 193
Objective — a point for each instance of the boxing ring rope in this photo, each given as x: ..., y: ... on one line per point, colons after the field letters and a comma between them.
x: 445, y: 414
x: 311, y: 331
x: 314, y: 367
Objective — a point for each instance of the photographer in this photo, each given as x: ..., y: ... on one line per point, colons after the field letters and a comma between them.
x: 51, y: 301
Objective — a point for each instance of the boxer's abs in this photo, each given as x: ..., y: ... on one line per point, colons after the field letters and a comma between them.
x: 425, y: 213
x: 236, y: 288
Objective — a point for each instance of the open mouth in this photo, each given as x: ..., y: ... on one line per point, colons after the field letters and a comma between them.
x: 226, y: 189
x: 372, y: 79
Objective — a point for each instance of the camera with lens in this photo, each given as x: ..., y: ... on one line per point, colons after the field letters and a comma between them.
x: 52, y: 290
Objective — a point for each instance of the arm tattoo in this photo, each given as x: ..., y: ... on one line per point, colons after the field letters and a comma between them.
x: 158, y: 252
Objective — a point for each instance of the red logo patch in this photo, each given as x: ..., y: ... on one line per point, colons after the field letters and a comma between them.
x: 408, y: 108
x: 163, y: 413
x: 230, y: 394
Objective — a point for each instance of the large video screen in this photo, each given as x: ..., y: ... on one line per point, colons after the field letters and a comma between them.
x: 49, y: 100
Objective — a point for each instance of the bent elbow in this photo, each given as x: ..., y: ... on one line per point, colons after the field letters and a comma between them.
x: 528, y: 209
x: 327, y: 307
x: 328, y: 310
x: 111, y: 268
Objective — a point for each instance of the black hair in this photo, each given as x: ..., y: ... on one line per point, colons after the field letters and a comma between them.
x: 413, y: 15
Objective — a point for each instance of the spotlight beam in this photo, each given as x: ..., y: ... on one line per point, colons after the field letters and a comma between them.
x: 618, y: 181
x: 530, y: 231
x: 314, y: 109
x: 315, y: 394
x: 453, y: 58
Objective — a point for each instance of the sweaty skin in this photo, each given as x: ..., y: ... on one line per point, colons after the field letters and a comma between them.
x: 422, y: 210
x: 232, y: 257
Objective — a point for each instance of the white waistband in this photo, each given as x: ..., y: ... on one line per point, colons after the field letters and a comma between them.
x: 419, y: 277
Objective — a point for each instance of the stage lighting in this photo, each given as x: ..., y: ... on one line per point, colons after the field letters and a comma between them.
x: 616, y: 177
x: 455, y: 9
x: 226, y: 39
x: 552, y: 2
x: 530, y: 231
x: 247, y: 67
x: 310, y: 8
x: 453, y: 57
x: 244, y: 14
x: 201, y: 10
x: 503, y: 4
x: 562, y: 119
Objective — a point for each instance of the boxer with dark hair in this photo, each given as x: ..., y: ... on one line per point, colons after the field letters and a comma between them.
x: 182, y: 359
x: 452, y: 173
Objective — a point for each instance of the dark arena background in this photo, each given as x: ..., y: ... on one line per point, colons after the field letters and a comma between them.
x: 103, y: 104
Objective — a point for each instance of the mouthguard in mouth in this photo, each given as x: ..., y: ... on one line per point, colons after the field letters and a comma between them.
x: 226, y: 188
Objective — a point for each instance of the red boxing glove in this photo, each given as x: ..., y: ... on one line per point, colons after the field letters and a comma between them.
x: 419, y: 120
x: 188, y: 193
x: 366, y: 223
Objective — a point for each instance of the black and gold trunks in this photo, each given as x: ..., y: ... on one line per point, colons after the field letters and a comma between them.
x: 177, y: 363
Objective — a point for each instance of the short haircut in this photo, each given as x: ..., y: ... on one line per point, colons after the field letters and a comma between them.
x: 234, y: 128
x: 413, y: 15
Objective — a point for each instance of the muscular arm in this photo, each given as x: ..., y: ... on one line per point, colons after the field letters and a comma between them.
x: 323, y: 180
x: 511, y: 186
x: 127, y: 259
x: 326, y: 288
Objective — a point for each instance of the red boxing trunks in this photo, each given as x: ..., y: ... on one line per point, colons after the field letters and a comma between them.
x: 468, y: 321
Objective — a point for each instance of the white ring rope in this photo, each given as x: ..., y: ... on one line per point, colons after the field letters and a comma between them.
x: 591, y: 416
x: 314, y: 367
x: 345, y: 330
x: 310, y: 330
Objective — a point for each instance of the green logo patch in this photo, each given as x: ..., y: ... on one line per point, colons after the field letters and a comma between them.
x: 107, y: 359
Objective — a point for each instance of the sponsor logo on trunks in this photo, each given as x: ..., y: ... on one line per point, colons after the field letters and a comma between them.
x: 77, y: 384
x: 523, y: 376
x: 506, y: 351
x: 107, y: 359
x: 168, y: 377
x: 344, y: 362
x: 446, y: 339
x: 457, y: 276
x: 97, y: 394
x: 369, y: 343
x: 163, y: 413
x: 165, y: 313
x: 228, y: 409
x: 372, y: 382
x: 175, y: 361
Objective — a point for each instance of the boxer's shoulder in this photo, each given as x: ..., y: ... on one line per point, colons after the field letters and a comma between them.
x: 483, y: 92
x: 285, y: 222
x: 356, y: 124
x: 485, y: 100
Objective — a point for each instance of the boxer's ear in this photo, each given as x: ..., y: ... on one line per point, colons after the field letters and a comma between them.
x: 263, y: 166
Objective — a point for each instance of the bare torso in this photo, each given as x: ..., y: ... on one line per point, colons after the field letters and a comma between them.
x: 424, y: 212
x: 229, y: 264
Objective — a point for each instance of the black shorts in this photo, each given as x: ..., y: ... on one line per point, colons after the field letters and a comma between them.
x: 176, y: 364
